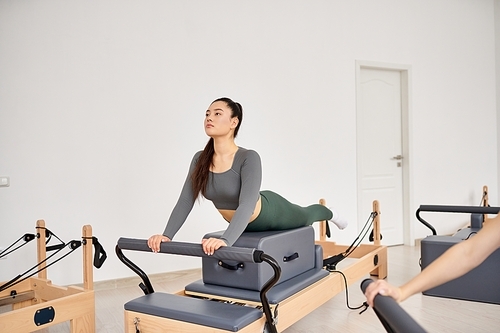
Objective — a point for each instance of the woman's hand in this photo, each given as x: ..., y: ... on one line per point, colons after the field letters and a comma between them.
x: 155, y: 241
x: 383, y: 288
x: 211, y: 244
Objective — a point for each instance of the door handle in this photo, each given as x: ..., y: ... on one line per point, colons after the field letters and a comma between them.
x: 397, y: 157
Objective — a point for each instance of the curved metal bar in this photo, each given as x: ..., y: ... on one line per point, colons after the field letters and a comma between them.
x: 453, y: 209
x: 392, y: 316
x: 148, y: 288
x: 424, y: 222
x: 194, y: 250
x: 271, y: 320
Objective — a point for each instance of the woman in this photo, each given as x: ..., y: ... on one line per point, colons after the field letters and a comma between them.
x: 230, y: 176
x: 455, y: 262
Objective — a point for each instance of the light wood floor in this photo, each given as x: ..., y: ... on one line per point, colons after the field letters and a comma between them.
x: 433, y: 313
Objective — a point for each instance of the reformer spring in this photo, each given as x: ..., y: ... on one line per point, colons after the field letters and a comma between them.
x: 99, y: 254
x: 26, y: 237
x: 72, y: 245
x: 331, y: 262
x: 29, y: 237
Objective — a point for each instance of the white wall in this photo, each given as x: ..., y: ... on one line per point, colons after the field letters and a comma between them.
x: 102, y: 103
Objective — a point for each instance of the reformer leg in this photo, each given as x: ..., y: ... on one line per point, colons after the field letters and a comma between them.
x: 381, y: 257
x: 86, y: 322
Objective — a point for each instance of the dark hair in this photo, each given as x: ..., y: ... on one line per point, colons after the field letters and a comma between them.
x: 201, y: 171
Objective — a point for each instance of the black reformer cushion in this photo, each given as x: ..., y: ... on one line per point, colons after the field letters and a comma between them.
x: 194, y: 310
x: 276, y: 294
x: 293, y: 250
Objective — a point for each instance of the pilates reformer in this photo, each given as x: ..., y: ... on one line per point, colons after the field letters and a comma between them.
x: 474, y: 218
x: 480, y: 284
x: 35, y: 302
x: 266, y: 301
x: 392, y: 316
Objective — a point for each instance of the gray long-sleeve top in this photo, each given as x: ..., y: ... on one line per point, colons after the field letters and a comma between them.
x: 235, y: 189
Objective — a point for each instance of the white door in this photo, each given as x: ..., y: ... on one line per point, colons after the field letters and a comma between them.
x: 379, y: 155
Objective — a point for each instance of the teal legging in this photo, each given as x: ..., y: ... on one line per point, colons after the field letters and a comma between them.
x: 277, y: 213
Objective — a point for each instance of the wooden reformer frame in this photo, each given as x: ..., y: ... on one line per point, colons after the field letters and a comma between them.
x: 37, y: 295
x: 484, y: 203
x: 369, y: 259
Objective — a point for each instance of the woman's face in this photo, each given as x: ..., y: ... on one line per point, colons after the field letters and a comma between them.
x: 218, y: 120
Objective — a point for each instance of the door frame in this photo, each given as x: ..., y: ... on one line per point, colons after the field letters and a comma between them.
x: 406, y: 133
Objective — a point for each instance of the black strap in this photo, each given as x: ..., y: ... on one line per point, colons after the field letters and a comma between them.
x: 371, y: 238
x: 48, y: 235
x: 55, y: 247
x: 99, y: 253
x: 231, y: 267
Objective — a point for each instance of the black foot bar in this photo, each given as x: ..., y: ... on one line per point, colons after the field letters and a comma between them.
x: 195, y: 250
x: 392, y: 316
x: 453, y: 209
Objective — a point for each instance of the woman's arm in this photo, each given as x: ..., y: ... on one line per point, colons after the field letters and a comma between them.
x: 180, y: 212
x: 455, y: 262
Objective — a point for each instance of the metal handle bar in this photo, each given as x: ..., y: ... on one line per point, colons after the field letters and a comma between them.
x: 453, y: 209
x: 194, y: 250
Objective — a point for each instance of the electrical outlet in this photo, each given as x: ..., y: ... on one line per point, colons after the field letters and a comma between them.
x: 4, y: 182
